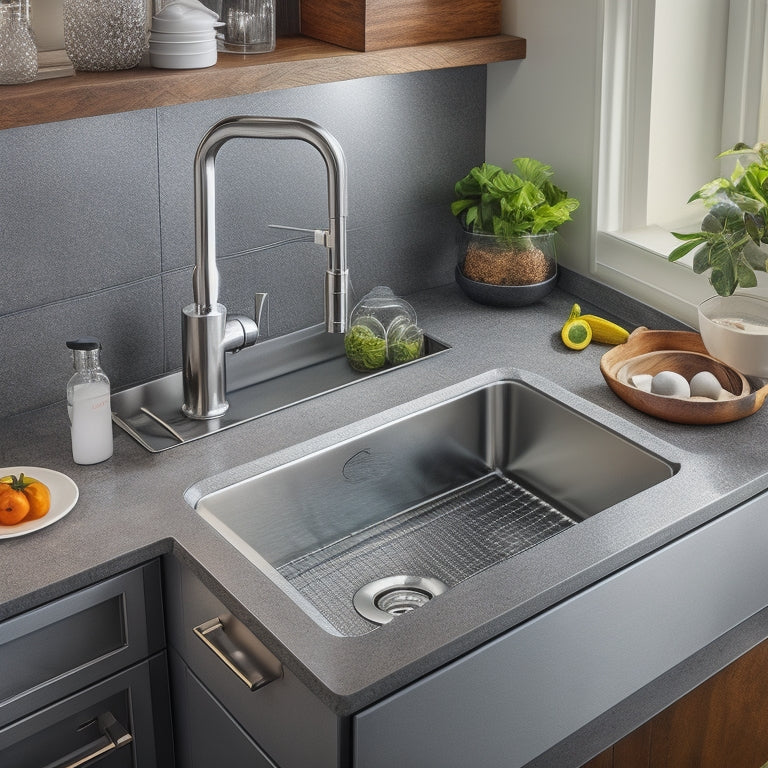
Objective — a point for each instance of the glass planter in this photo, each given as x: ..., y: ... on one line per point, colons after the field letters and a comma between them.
x: 18, y: 52
x: 105, y: 35
x: 506, y: 271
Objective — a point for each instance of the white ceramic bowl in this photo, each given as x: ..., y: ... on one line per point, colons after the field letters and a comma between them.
x: 182, y: 60
x: 201, y: 46
x: 182, y: 37
x: 173, y: 27
x: 734, y: 329
x: 178, y: 17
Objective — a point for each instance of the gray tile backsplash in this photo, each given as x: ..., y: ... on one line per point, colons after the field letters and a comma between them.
x: 97, y: 218
x: 78, y: 207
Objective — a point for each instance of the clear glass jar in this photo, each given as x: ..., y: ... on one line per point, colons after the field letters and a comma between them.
x: 105, y: 35
x: 88, y: 404
x: 513, y: 261
x: 249, y: 26
x: 382, y: 329
x: 18, y: 52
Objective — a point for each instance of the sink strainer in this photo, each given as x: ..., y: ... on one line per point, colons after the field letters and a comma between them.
x: 383, y: 599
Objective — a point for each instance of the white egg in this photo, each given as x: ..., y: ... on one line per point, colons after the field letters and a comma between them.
x: 670, y: 384
x: 705, y: 384
x: 642, y: 381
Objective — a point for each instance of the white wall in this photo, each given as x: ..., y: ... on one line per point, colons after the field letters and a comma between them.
x: 686, y: 104
x: 47, y: 24
x: 546, y: 106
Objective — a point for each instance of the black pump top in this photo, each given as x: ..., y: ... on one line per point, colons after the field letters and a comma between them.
x: 86, y: 343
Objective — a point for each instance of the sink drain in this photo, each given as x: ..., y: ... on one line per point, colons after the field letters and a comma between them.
x: 383, y: 599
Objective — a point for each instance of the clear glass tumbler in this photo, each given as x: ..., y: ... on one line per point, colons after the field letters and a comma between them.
x: 18, y: 52
x: 250, y: 26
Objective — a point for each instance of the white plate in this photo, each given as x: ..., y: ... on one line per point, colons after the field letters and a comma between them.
x: 64, y: 495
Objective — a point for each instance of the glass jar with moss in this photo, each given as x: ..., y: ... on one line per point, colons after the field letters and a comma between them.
x: 382, y: 332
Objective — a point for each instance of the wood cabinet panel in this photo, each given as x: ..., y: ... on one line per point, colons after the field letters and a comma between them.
x: 368, y: 25
x: 634, y: 750
x: 720, y: 723
x: 603, y: 760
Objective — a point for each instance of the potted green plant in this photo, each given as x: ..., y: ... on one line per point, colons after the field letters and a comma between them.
x: 509, y: 219
x: 731, y: 246
x: 733, y: 232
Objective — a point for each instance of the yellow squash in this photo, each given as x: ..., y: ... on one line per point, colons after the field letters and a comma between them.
x: 601, y: 330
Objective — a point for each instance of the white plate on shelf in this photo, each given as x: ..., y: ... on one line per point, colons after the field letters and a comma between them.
x: 64, y: 496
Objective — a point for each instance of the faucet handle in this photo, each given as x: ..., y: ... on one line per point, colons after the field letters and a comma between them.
x: 240, y: 331
x: 320, y: 236
x: 259, y: 302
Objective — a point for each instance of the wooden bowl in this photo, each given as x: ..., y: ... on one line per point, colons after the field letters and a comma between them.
x: 648, y: 352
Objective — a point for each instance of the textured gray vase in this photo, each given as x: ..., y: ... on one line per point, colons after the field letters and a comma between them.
x: 102, y: 35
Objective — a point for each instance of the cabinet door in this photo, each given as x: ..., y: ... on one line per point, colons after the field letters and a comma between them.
x: 289, y: 723
x: 123, y: 722
x: 206, y: 731
x: 70, y: 643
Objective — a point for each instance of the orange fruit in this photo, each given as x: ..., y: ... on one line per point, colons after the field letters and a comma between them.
x: 14, y: 505
x: 39, y: 498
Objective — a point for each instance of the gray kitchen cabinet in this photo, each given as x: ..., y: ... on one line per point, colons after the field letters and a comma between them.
x: 517, y: 696
x: 86, y: 674
x: 117, y: 721
x: 273, y: 721
x: 207, y: 726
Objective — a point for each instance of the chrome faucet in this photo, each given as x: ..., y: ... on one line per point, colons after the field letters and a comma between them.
x: 207, y: 333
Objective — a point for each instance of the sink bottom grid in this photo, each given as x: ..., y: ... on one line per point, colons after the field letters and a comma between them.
x: 451, y: 537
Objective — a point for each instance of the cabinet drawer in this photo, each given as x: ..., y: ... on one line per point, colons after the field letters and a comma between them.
x: 288, y: 722
x: 124, y: 718
x: 68, y: 644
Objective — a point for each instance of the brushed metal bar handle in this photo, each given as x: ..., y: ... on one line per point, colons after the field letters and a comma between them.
x: 113, y: 736
x: 241, y: 661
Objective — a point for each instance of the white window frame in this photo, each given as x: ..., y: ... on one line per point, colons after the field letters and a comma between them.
x: 627, y: 254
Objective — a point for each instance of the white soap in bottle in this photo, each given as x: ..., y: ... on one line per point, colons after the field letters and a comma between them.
x: 88, y: 404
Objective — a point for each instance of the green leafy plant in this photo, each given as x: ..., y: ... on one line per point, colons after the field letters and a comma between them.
x: 735, y: 226
x: 493, y: 201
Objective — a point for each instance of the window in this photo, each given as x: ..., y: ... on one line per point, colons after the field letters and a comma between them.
x: 682, y: 80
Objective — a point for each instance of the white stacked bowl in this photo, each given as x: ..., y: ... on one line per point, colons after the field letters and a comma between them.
x: 183, y: 36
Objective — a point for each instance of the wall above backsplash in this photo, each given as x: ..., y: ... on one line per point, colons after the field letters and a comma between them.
x: 97, y: 238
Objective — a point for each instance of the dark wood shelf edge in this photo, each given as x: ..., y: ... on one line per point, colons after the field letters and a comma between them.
x: 297, y: 61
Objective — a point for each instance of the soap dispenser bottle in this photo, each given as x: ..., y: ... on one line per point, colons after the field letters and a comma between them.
x: 88, y: 404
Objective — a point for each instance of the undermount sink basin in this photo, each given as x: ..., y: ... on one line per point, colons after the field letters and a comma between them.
x: 378, y: 524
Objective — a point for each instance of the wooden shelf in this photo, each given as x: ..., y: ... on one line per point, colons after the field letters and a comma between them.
x: 296, y: 61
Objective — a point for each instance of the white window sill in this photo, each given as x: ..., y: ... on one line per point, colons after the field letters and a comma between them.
x: 635, y: 262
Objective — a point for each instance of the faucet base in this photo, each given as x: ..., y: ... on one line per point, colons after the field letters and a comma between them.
x: 205, y: 373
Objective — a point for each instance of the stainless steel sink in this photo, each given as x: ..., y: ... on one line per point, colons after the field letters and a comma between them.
x: 430, y: 499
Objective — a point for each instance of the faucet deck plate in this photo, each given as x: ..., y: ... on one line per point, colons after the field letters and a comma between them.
x: 262, y: 379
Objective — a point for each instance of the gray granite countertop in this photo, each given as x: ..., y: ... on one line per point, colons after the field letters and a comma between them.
x: 133, y: 507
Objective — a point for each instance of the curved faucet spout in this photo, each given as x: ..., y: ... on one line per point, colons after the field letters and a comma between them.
x: 204, y: 329
x: 206, y: 278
